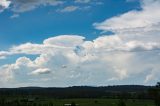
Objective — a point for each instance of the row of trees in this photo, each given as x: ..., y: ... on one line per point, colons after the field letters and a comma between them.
x: 155, y: 94
x: 7, y: 95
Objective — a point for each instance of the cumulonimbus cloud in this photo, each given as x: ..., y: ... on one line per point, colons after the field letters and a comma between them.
x: 130, y: 55
x: 72, y: 57
x: 139, y: 28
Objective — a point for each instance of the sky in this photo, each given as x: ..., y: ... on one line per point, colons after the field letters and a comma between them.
x: 60, y: 43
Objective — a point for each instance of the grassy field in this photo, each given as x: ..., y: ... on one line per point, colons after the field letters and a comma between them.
x: 99, y: 102
x: 80, y: 102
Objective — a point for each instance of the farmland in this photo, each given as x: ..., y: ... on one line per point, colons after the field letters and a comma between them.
x: 79, y: 102
x: 125, y: 95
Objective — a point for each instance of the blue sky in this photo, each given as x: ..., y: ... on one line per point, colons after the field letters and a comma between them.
x: 43, y: 22
x: 90, y: 42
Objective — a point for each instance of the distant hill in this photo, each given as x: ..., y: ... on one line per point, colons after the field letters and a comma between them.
x: 132, y: 91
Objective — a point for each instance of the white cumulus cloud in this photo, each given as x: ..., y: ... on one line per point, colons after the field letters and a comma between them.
x: 135, y: 20
x: 138, y: 30
x: 4, y: 4
x: 40, y: 71
x: 70, y: 59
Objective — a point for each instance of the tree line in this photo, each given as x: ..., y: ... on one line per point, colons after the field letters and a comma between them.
x: 25, y: 96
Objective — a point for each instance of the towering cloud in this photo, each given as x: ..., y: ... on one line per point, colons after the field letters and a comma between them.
x: 130, y: 55
x: 70, y: 59
x: 140, y: 30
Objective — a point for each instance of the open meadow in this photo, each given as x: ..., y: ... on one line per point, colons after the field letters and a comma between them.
x: 75, y: 102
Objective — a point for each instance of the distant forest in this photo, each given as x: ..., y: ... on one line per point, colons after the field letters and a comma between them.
x: 34, y: 96
x: 119, y: 91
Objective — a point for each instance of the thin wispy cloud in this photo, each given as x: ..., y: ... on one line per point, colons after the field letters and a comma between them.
x: 82, y: 1
x: 21, y: 6
x: 68, y: 9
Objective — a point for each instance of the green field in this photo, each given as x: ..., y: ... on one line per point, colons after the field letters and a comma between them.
x: 85, y: 102
x: 79, y: 102
x: 102, y: 102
